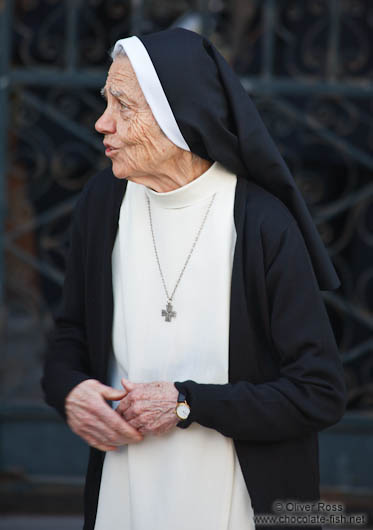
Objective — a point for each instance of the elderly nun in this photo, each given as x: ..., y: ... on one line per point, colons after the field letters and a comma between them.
x: 192, y: 351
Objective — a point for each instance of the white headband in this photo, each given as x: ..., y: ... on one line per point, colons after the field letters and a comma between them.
x: 152, y: 88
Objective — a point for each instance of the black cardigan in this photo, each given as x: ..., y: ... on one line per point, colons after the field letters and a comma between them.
x: 286, y: 379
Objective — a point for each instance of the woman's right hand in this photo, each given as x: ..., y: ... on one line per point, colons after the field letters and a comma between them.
x: 93, y: 419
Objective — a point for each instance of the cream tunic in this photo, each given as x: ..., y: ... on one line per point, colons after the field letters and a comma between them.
x: 189, y: 479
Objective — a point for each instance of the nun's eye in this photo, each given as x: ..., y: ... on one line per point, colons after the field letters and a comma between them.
x: 123, y: 105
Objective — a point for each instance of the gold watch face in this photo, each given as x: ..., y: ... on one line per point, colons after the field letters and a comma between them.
x: 182, y: 411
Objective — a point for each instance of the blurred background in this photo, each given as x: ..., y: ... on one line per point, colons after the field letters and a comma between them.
x: 308, y: 65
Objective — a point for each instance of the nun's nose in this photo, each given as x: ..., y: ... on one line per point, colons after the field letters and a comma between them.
x: 105, y: 123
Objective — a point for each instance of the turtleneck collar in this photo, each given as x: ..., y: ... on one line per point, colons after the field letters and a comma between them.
x: 198, y: 189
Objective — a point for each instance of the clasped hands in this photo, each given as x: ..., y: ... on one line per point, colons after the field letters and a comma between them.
x: 144, y: 408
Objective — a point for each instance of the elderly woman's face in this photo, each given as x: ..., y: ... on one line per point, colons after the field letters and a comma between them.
x: 133, y: 138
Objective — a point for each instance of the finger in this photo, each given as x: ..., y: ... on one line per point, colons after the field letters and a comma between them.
x: 137, y: 423
x: 99, y: 445
x: 142, y: 429
x: 96, y: 424
x: 127, y: 416
x: 134, y: 411
x: 105, y: 412
x: 112, y: 439
x: 96, y: 430
x: 118, y: 424
x: 124, y: 404
x: 112, y: 393
x: 128, y: 385
x: 105, y: 447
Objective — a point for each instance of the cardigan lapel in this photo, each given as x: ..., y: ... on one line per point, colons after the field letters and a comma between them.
x: 239, y: 361
x: 117, y: 191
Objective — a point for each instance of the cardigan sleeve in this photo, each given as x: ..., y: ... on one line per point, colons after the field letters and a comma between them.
x: 66, y: 363
x: 309, y: 394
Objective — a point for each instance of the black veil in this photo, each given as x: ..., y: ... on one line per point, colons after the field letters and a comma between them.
x: 219, y: 122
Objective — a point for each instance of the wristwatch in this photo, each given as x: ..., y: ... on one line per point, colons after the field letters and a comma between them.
x: 182, y: 410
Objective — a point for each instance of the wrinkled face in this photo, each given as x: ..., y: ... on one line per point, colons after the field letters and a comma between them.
x: 133, y: 139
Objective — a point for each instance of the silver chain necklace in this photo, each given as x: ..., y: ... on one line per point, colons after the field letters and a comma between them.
x: 169, y: 313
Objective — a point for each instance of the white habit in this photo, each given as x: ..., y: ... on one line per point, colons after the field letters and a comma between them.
x: 186, y: 479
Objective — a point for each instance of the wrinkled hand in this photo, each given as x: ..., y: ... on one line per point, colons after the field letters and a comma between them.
x: 149, y: 407
x: 94, y: 420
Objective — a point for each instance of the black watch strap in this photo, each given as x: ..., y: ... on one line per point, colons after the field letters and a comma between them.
x: 181, y: 397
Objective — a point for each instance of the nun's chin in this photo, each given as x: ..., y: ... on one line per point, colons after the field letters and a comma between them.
x: 120, y: 170
x: 119, y: 174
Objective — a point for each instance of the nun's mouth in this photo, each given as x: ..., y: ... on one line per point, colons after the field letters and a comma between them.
x: 110, y: 149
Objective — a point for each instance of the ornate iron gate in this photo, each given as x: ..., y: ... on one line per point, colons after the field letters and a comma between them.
x: 309, y: 66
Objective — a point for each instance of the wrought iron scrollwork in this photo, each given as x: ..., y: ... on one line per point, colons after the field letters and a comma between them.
x: 309, y: 66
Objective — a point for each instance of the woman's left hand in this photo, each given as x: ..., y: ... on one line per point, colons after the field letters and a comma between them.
x: 149, y: 407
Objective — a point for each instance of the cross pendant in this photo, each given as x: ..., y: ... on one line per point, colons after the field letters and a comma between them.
x: 168, y: 312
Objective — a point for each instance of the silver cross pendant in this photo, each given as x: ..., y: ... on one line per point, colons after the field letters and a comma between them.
x: 168, y: 312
